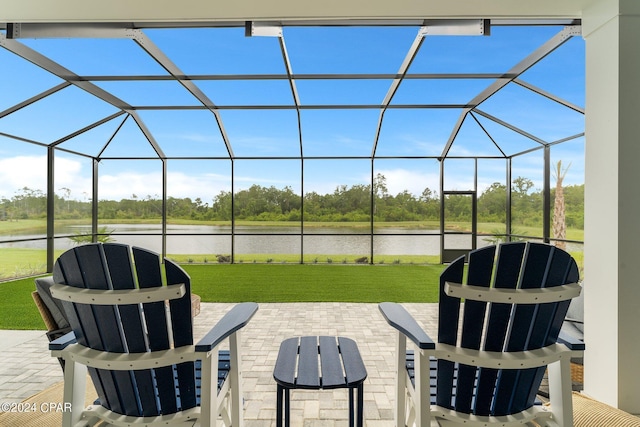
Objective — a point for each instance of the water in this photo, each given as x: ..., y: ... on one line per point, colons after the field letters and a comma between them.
x: 212, y: 240
x: 209, y: 239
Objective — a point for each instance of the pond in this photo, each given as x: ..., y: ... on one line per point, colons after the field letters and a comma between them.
x: 209, y: 239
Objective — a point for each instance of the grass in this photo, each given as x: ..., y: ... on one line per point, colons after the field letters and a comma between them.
x: 308, y: 259
x: 264, y: 283
x: 315, y: 283
x: 17, y: 307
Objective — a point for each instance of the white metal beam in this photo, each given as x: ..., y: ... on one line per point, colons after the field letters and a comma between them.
x: 158, y: 55
x: 262, y: 10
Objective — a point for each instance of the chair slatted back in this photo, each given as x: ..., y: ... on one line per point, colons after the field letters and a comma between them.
x: 134, y: 328
x: 500, y: 327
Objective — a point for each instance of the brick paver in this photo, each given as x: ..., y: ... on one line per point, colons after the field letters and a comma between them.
x: 27, y: 368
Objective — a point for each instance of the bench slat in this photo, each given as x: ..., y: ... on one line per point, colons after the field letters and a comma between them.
x: 308, y: 373
x: 285, y: 369
x: 330, y: 364
x: 353, y: 364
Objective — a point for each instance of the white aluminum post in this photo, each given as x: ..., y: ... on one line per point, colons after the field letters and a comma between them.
x: 235, y: 380
x: 401, y: 380
x: 422, y: 396
x: 209, y: 390
x: 560, y: 391
x: 75, y: 384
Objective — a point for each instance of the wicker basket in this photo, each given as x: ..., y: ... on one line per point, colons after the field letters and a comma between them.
x: 195, y: 305
x: 577, y: 373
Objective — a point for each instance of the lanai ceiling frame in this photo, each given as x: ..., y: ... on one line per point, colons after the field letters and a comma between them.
x: 612, y: 81
x: 190, y: 83
x: 552, y: 44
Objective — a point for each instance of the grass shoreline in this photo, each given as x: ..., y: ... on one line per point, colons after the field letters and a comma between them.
x: 266, y: 283
x: 39, y: 225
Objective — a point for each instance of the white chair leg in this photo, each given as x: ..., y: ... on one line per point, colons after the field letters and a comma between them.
x: 75, y: 386
x: 236, y: 380
x: 422, y: 395
x: 401, y: 380
x: 560, y: 392
x: 209, y: 389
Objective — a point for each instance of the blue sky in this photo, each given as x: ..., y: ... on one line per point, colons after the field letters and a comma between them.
x: 274, y: 133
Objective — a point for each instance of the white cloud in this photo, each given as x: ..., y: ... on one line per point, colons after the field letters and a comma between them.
x: 205, y: 186
x: 31, y: 171
x: 125, y: 184
x: 22, y: 171
x: 415, y: 182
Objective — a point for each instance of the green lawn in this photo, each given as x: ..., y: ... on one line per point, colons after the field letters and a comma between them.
x: 267, y: 283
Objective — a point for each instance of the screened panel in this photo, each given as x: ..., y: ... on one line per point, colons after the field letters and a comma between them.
x: 510, y: 141
x: 458, y: 241
x: 497, y: 53
x: 198, y: 248
x: 458, y: 214
x: 266, y: 192
x: 22, y: 80
x: 238, y: 93
x: 348, y: 49
x: 406, y: 195
x: 337, y: 196
x: 61, y: 244
x: 130, y: 141
x: 336, y: 248
x: 151, y: 93
x: 97, y: 56
x: 267, y: 249
x: 416, y: 132
x: 23, y: 187
x: 572, y: 155
x: 94, y: 140
x: 534, y: 114
x: 219, y: 50
x: 130, y: 189
x: 20, y: 259
x: 257, y: 133
x: 56, y: 116
x: 73, y: 196
x: 561, y: 73
x: 439, y: 91
x: 407, y: 249
x: 492, y: 199
x: 338, y: 133
x: 459, y: 174
x: 142, y: 236
x: 473, y: 140
x: 369, y: 92
x: 181, y: 133
x: 568, y: 157
x: 526, y: 194
x: 198, y: 192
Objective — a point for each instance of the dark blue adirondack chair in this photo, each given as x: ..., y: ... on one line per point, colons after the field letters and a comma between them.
x: 497, y: 334
x: 132, y: 329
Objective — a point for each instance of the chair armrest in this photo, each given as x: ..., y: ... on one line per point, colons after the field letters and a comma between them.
x: 62, y: 342
x: 236, y: 319
x: 398, y: 317
x: 57, y: 333
x: 572, y: 343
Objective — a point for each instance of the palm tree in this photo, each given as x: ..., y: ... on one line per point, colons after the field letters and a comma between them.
x: 559, y: 224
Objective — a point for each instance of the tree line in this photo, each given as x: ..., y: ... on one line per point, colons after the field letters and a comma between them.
x: 354, y: 203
